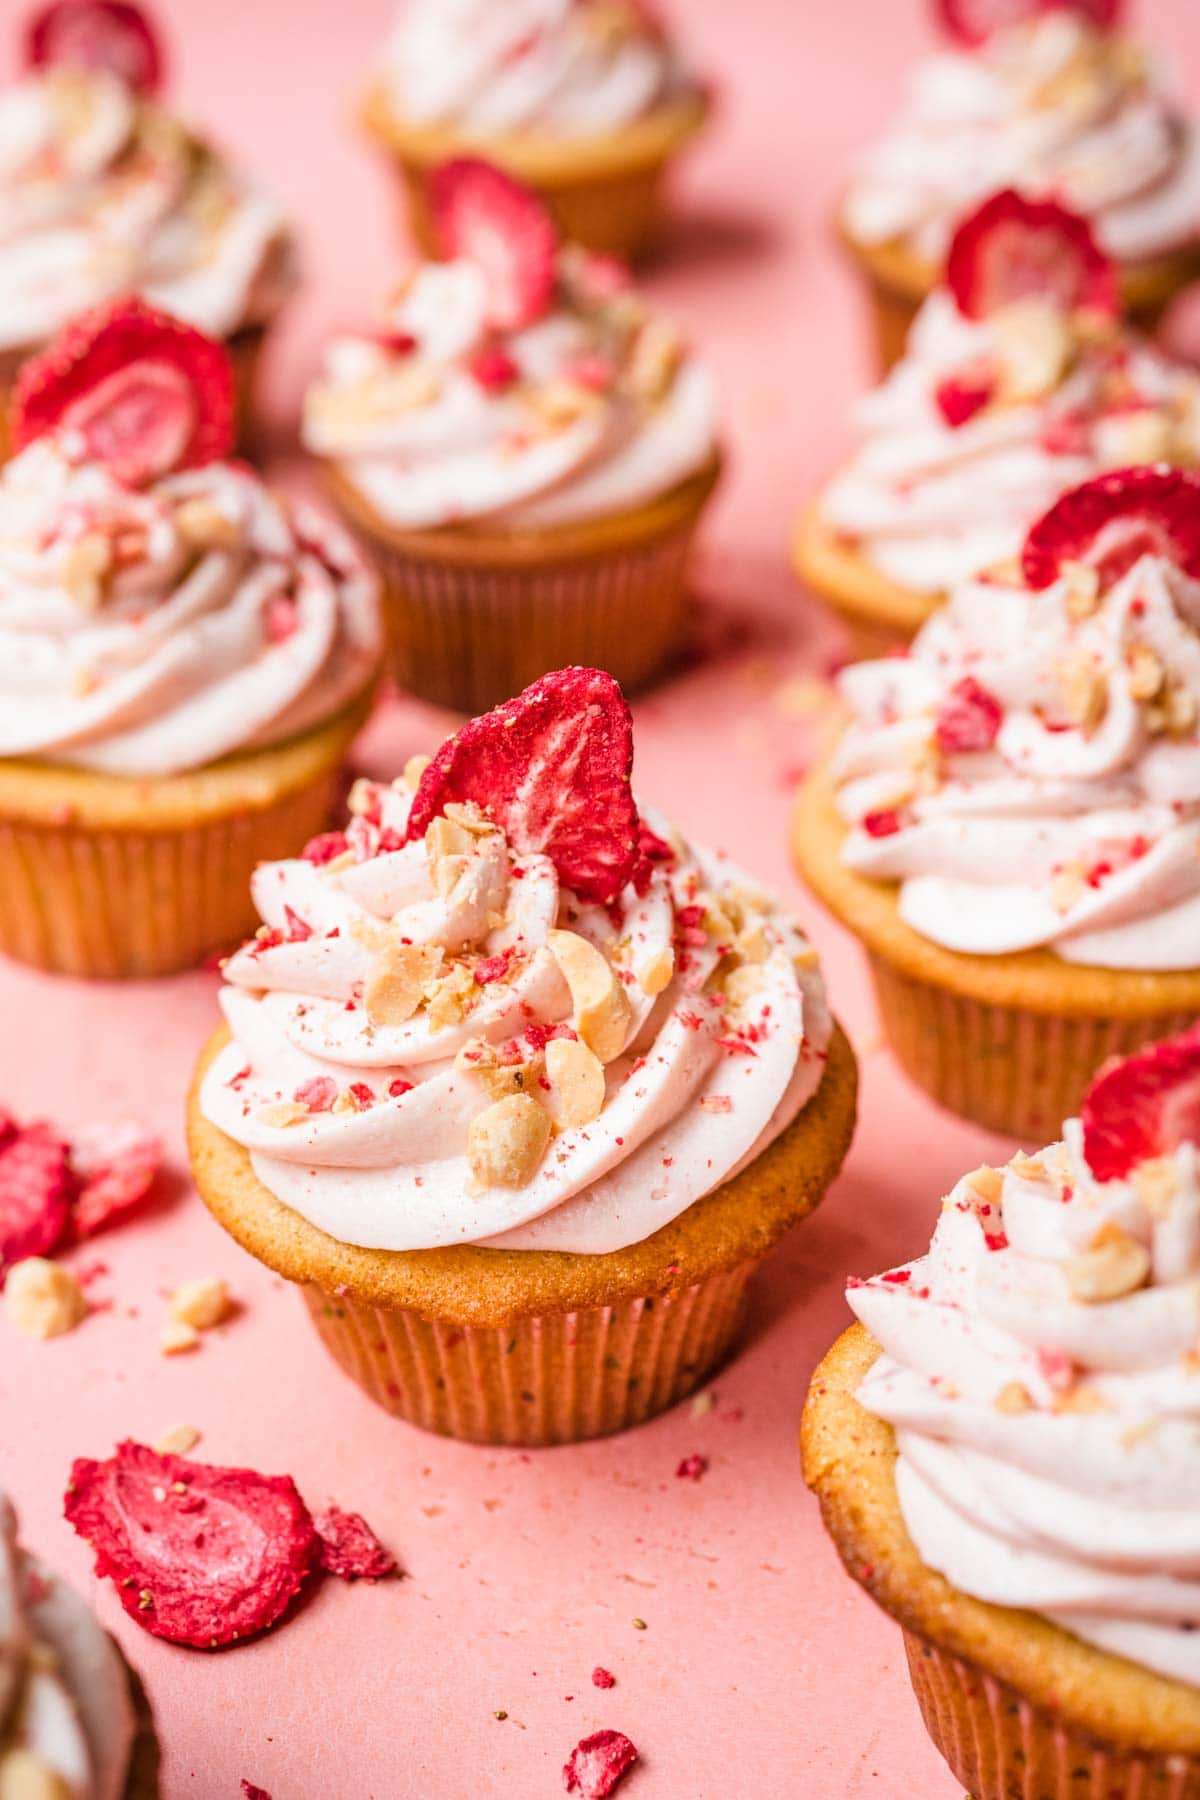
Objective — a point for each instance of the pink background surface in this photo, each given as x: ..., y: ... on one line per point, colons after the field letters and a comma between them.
x: 762, y: 1669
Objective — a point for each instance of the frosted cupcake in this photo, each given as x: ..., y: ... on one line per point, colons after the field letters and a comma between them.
x: 1017, y: 383
x: 519, y: 1086
x: 68, y: 1722
x: 1011, y: 822
x: 1053, y: 99
x: 185, y: 656
x: 103, y: 192
x: 1005, y: 1452
x: 585, y: 100
x: 524, y: 449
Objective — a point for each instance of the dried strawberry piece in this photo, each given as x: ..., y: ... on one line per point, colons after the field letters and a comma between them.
x: 325, y: 847
x: 968, y: 718
x: 1111, y: 522
x: 139, y: 391
x: 1143, y: 1106
x: 486, y: 217
x: 959, y: 397
x: 1013, y: 249
x: 603, y: 1678
x: 972, y: 22
x: 652, y: 852
x: 96, y: 34
x: 250, y: 1791
x: 115, y: 1165
x: 691, y: 1468
x: 885, y: 821
x: 552, y: 769
x: 350, y: 1549
x: 493, y: 368
x: 597, y: 1764
x: 35, y: 1191
x: 200, y: 1555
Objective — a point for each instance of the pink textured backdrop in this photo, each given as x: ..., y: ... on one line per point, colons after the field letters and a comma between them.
x: 762, y: 1670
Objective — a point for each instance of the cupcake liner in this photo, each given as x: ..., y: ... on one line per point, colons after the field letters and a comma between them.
x: 1008, y: 1068
x: 471, y: 621
x: 1003, y: 1747
x: 553, y: 1378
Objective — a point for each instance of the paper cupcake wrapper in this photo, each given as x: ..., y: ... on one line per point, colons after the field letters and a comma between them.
x: 120, y: 903
x: 551, y: 1379
x: 467, y: 637
x: 1002, y: 1747
x: 1014, y: 1071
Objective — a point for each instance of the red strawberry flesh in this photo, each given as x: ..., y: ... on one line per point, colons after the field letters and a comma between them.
x: 596, y: 1765
x: 1143, y: 1106
x: 35, y: 1191
x: 1111, y: 522
x: 968, y: 718
x: 1012, y: 248
x: 130, y: 387
x: 485, y: 217
x: 959, y: 397
x: 972, y: 22
x: 551, y: 768
x: 350, y: 1549
x: 115, y: 1166
x: 199, y: 1555
x: 96, y: 34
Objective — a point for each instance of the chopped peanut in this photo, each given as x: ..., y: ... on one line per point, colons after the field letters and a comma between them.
x: 202, y: 1303
x: 1146, y: 673
x: 1156, y: 1182
x: 1013, y: 1397
x: 1115, y: 1265
x: 178, y: 1440
x: 1035, y: 348
x: 657, y: 972
x: 24, y: 1776
x: 413, y: 770
x: 204, y: 526
x: 1083, y: 589
x: 279, y: 1114
x: 1084, y: 693
x: 507, y: 1141
x: 498, y: 1079
x: 601, y: 1006
x: 86, y: 567
x: 576, y: 1077
x: 42, y: 1299
x: 176, y: 1338
x: 401, y: 982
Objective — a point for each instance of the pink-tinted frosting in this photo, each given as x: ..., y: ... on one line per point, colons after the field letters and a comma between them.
x: 1049, y: 106
x: 720, y: 1050
x: 605, y: 408
x: 1081, y: 836
x: 1048, y: 1445
x: 180, y: 651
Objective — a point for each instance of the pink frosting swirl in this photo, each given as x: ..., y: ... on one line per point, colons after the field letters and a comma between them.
x: 595, y: 407
x: 148, y: 631
x: 1039, y: 1369
x: 363, y: 1113
x: 102, y: 192
x: 1029, y: 773
x: 1049, y: 106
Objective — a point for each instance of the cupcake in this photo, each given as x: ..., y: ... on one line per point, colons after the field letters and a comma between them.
x: 1048, y: 96
x: 1011, y: 822
x: 1006, y: 1455
x: 185, y: 655
x: 74, y: 1724
x: 103, y: 192
x: 1018, y: 383
x: 524, y: 450
x: 585, y: 100
x: 517, y: 1085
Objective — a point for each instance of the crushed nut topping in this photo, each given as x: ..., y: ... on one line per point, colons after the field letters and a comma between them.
x: 1114, y: 1266
x: 601, y: 1006
x: 507, y: 1141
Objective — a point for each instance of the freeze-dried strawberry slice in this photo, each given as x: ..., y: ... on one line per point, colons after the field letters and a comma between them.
x: 974, y: 21
x: 968, y: 718
x: 136, y: 389
x: 350, y: 1549
x: 596, y: 1765
x: 1012, y: 249
x: 1111, y: 522
x: 552, y: 769
x: 486, y: 217
x: 35, y: 1191
x: 1143, y: 1106
x: 199, y: 1555
x: 96, y: 34
x: 114, y: 1166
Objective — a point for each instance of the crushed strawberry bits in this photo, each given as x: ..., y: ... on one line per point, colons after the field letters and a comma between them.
x: 596, y: 1765
x: 969, y: 718
x: 53, y: 1191
x: 1143, y: 1106
x: 209, y: 1556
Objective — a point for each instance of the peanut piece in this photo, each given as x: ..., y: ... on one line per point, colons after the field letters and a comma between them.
x: 507, y: 1141
x: 42, y: 1299
x: 401, y: 982
x: 200, y: 1304
x: 576, y: 1078
x: 24, y: 1776
x: 601, y: 1005
x: 1115, y: 1265
x: 657, y: 972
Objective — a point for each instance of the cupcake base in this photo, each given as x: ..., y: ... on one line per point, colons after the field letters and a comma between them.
x: 1010, y: 1041
x: 606, y: 191
x: 898, y: 281
x: 106, y: 876
x: 1019, y: 1708
x: 878, y: 613
x: 475, y: 613
x: 537, y: 1347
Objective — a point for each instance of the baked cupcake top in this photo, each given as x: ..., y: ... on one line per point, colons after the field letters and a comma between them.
x: 565, y: 68
x: 1039, y: 1367
x: 1030, y: 773
x: 520, y: 382
x: 66, y: 1718
x: 1052, y: 99
x: 1018, y: 382
x: 102, y: 191
x: 159, y: 605
x: 506, y: 1007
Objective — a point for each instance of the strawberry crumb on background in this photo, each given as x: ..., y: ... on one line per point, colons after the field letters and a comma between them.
x: 537, y: 1561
